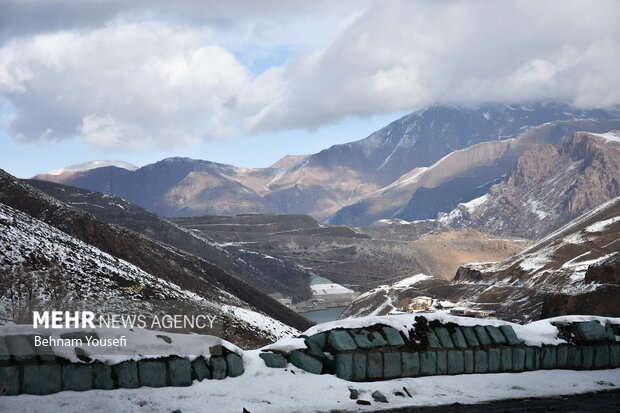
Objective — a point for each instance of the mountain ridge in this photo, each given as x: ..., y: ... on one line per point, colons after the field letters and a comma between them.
x: 322, y: 183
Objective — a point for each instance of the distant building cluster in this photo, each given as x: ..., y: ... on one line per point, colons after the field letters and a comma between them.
x: 426, y: 304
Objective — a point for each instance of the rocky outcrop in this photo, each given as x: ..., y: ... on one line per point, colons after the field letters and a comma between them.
x: 546, y: 188
x: 605, y: 272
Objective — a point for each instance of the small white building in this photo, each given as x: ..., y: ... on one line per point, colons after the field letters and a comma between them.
x: 330, y: 293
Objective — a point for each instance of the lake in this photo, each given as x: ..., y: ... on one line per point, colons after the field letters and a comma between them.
x: 323, y: 316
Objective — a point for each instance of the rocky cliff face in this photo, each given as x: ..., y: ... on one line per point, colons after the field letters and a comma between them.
x: 546, y: 188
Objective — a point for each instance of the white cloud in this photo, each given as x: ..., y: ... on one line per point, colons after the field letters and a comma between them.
x: 402, y: 55
x: 121, y: 84
x: 129, y: 77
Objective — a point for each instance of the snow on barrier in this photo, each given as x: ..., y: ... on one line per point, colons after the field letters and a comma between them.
x: 361, y: 349
x: 381, y: 348
x: 30, y: 365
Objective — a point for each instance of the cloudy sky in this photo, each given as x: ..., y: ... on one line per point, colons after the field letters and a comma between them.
x: 245, y: 82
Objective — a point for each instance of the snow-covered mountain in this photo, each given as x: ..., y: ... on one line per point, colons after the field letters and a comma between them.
x: 458, y: 177
x: 87, y: 166
x: 323, y: 183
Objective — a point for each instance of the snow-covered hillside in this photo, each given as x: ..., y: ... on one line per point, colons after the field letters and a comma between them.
x: 94, y: 278
x: 561, y: 259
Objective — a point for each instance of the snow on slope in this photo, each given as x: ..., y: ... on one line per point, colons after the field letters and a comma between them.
x: 613, y: 135
x: 561, y: 259
x: 87, y: 166
x: 100, y: 276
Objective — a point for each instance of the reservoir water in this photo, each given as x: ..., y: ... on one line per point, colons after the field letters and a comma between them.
x: 323, y: 316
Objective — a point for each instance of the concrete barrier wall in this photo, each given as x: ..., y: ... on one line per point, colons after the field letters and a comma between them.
x: 375, y: 352
x: 39, y: 372
x: 380, y: 352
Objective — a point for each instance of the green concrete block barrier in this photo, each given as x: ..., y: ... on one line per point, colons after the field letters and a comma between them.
x: 43, y: 379
x: 344, y: 366
x: 574, y: 357
x: 9, y: 381
x: 77, y: 377
x: 375, y: 365
x: 102, y: 376
x: 456, y: 362
x: 590, y: 331
x: 319, y: 339
x: 614, y: 356
x: 469, y: 361
x: 458, y: 338
x: 45, y: 353
x: 428, y: 363
x: 432, y: 339
x: 510, y: 335
x: 180, y: 371
x: 481, y: 364
x: 444, y: 337
x: 393, y: 337
x: 470, y: 336
x: 126, y: 374
x: 442, y: 362
x: 5, y: 354
x: 518, y: 359
x: 273, y: 360
x: 411, y: 364
x: 235, y: 365
x: 610, y: 333
x: 532, y: 358
x: 495, y: 359
x: 218, y: 367
x: 506, y: 354
x: 340, y: 340
x: 496, y: 335
x: 601, y: 356
x: 366, y: 339
x: 482, y: 335
x: 548, y: 358
x: 562, y: 355
x: 315, y: 349
x: 152, y: 373
x: 375, y: 353
x: 200, y: 370
x: 359, y: 367
x: 305, y: 362
x: 587, y: 354
x: 21, y: 347
x: 392, y: 365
